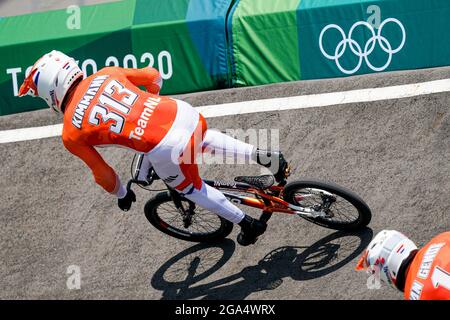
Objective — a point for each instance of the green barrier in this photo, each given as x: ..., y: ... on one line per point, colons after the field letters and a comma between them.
x: 102, y: 39
x: 210, y: 44
x: 285, y: 40
x: 265, y: 42
x: 184, y: 39
x: 359, y: 37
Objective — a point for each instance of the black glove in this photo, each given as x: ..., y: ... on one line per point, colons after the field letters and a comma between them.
x: 125, y: 203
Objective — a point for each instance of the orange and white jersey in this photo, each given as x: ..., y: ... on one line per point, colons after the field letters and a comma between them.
x: 428, y: 277
x: 108, y: 108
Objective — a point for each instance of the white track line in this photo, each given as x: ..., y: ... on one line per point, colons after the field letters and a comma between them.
x: 33, y: 133
x: 265, y: 105
x: 327, y: 99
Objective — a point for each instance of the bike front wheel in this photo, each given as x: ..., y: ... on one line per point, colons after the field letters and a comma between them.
x: 341, y: 208
x: 201, y: 226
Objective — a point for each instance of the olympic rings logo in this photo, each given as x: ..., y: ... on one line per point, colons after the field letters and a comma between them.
x: 369, y: 47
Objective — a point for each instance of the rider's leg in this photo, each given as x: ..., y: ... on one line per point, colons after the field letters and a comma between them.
x: 213, y: 200
x: 274, y: 161
x: 174, y: 162
x: 186, y: 180
x: 216, y: 142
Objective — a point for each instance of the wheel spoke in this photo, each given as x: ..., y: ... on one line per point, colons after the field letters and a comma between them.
x: 342, y: 211
x: 203, y: 221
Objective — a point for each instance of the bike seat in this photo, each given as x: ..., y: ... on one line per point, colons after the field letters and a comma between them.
x: 260, y: 182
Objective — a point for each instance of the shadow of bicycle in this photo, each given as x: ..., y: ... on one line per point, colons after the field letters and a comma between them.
x: 182, y: 276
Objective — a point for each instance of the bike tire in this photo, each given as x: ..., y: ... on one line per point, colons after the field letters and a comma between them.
x: 364, y: 212
x: 224, y: 227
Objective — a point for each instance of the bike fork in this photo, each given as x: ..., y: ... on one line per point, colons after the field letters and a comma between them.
x: 186, y: 213
x: 176, y: 198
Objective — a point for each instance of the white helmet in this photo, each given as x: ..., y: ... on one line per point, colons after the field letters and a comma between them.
x: 50, y: 78
x: 386, y: 251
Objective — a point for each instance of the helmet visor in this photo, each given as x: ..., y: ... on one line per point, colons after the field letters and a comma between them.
x: 362, y: 262
x: 29, y: 85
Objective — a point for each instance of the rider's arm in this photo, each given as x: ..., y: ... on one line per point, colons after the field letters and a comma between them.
x: 104, y: 175
x: 148, y: 77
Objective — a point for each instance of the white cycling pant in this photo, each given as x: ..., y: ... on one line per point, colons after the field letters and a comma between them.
x: 174, y: 160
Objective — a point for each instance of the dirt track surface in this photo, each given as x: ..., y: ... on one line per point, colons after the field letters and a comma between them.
x: 394, y: 154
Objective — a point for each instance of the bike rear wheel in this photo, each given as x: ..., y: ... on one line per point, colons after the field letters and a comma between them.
x: 344, y: 209
x: 204, y: 226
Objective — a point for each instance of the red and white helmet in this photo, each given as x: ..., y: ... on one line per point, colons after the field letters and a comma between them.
x: 386, y: 251
x: 50, y: 78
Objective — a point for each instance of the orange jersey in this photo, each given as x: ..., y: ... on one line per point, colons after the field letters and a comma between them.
x: 428, y: 277
x: 108, y: 108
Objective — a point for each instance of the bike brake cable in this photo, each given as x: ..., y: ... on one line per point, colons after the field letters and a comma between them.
x: 140, y: 186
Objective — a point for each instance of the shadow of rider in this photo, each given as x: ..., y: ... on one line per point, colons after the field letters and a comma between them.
x: 179, y: 277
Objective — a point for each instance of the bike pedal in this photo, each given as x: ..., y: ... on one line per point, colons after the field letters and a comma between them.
x: 287, y: 171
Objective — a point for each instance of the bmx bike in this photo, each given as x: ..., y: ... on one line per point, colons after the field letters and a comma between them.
x: 323, y: 203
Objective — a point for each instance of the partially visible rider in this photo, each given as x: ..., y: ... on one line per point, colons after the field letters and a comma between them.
x: 422, y: 274
x: 109, y: 109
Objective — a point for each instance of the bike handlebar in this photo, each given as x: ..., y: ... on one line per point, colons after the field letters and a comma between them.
x: 130, y: 182
x: 152, y: 177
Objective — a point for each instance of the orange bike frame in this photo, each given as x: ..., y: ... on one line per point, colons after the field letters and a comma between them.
x: 268, y: 201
